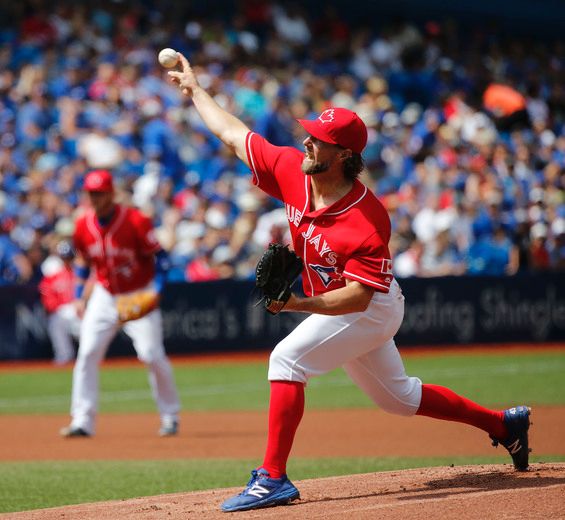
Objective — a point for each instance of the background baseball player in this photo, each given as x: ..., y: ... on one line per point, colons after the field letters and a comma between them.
x: 119, y: 243
x: 341, y: 231
x: 57, y: 292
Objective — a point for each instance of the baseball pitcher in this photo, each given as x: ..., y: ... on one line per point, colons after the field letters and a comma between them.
x: 341, y: 231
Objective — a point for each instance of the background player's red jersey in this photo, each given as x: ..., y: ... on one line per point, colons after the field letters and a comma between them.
x: 122, y: 252
x: 57, y: 289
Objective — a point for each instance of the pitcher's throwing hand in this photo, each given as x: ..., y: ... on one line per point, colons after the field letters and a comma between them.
x: 185, y: 78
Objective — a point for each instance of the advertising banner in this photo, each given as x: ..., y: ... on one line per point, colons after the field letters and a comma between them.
x: 224, y: 316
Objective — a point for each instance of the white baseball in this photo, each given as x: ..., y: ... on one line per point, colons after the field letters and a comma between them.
x: 168, y: 58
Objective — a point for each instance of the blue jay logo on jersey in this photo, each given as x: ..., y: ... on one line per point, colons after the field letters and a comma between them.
x: 327, y: 274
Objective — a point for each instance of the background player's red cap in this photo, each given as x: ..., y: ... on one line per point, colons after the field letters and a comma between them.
x: 338, y: 126
x: 98, y: 180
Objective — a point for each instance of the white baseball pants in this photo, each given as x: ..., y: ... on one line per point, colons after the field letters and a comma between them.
x: 63, y: 325
x: 362, y: 343
x: 99, y: 326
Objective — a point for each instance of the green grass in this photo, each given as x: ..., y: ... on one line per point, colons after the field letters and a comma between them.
x: 491, y: 379
x: 34, y: 485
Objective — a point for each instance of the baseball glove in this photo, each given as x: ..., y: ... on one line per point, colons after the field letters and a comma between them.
x: 277, y: 269
x: 136, y: 305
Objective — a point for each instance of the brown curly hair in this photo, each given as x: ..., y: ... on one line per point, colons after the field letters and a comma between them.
x: 353, y: 166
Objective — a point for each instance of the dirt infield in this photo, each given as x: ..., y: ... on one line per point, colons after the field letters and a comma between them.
x: 476, y: 492
x: 335, y: 433
x: 463, y: 493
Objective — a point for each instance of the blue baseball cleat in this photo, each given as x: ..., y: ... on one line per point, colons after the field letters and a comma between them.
x: 517, y: 421
x: 262, y: 491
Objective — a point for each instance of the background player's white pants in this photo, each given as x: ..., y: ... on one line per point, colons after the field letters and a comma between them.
x: 99, y: 326
x: 63, y: 325
x: 362, y: 343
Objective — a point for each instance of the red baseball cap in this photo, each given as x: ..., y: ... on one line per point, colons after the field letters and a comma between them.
x: 98, y: 180
x: 338, y: 126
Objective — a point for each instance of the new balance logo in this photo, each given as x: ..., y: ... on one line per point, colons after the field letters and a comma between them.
x: 258, y: 491
x: 514, y: 447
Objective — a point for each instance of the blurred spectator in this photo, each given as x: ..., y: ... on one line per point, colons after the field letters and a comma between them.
x: 507, y: 105
x: 158, y: 139
x: 291, y: 24
x: 441, y: 257
x: 99, y: 148
x: 201, y: 268
x: 409, y: 262
x: 15, y: 267
x: 558, y: 251
x: 275, y: 123
x: 249, y: 98
x: 492, y: 255
x: 539, y: 255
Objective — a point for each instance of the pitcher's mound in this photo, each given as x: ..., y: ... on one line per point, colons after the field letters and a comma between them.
x: 461, y: 493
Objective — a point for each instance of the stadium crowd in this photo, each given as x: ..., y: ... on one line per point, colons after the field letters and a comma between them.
x: 466, y: 131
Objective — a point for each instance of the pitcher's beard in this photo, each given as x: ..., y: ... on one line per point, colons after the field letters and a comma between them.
x: 314, y: 168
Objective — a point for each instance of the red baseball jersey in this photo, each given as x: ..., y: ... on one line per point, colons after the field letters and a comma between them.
x: 348, y: 239
x: 57, y: 289
x: 122, y: 252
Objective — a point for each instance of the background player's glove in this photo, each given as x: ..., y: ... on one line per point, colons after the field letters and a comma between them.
x: 277, y: 269
x: 136, y: 305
